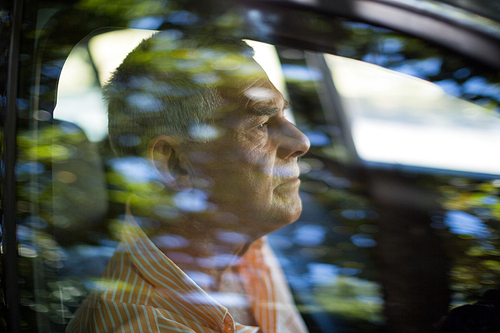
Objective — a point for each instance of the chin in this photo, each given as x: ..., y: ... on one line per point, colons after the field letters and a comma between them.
x: 264, y: 219
x: 297, y: 211
x: 294, y: 208
x: 287, y: 213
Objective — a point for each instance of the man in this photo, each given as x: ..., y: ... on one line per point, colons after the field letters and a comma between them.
x: 211, y: 124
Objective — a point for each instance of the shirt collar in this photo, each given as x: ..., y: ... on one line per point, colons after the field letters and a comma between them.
x: 173, y: 283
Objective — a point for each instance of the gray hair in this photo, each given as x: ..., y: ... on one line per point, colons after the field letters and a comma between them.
x: 168, y: 85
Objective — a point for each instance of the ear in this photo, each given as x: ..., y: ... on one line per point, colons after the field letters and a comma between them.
x: 168, y: 161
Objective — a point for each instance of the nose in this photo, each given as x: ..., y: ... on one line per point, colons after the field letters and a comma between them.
x: 292, y: 142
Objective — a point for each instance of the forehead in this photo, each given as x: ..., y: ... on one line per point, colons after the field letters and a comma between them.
x: 262, y: 97
x: 254, y: 97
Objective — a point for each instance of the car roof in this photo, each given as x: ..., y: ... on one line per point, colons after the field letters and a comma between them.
x: 471, y: 29
x: 486, y: 8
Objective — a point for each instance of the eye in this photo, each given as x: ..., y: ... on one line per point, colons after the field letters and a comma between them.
x: 263, y: 126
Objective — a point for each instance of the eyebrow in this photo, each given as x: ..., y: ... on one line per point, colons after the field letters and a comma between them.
x: 266, y: 110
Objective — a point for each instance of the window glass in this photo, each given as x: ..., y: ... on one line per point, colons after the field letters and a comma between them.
x: 407, y: 200
x: 433, y: 129
x: 127, y: 216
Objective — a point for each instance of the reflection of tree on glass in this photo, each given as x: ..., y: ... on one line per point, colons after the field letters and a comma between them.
x: 210, y: 124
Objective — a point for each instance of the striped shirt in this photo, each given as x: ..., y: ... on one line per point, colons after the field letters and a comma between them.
x: 142, y: 290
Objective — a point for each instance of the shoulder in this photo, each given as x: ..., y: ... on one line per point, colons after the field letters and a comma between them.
x: 98, y: 314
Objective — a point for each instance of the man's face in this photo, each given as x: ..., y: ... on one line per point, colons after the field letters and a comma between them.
x: 252, y: 168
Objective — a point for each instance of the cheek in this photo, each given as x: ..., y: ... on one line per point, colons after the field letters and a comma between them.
x: 238, y: 163
x: 253, y: 157
x: 257, y: 154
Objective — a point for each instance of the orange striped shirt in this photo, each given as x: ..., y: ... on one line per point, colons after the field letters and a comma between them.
x: 142, y: 290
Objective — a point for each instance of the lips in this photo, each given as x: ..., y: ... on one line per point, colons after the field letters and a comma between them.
x: 290, y: 182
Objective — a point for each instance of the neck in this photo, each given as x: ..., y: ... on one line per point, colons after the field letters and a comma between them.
x: 203, y: 248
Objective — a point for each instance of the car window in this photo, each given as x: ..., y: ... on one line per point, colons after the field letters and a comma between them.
x: 394, y: 138
x: 428, y: 122
x: 397, y: 201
